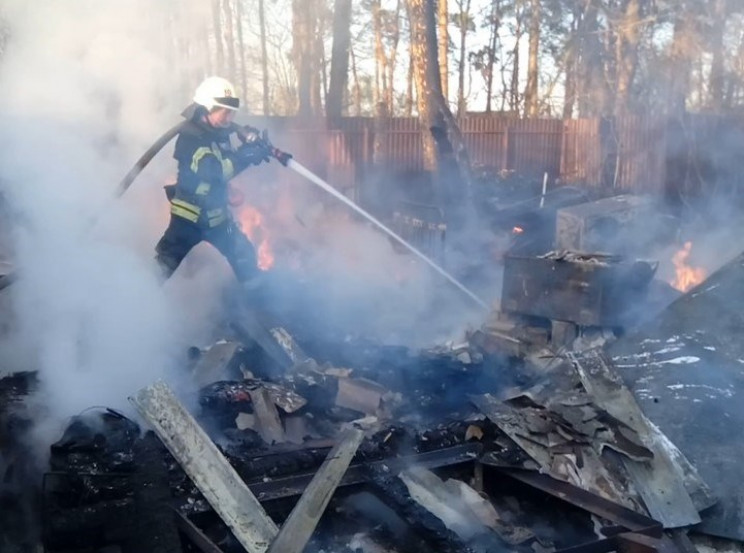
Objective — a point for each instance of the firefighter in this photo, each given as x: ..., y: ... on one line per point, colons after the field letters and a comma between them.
x: 207, y: 160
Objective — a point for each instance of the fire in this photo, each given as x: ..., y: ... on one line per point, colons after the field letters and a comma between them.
x: 252, y: 223
x: 517, y: 230
x: 686, y: 276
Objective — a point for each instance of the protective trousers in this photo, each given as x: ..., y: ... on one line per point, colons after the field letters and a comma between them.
x: 182, y: 235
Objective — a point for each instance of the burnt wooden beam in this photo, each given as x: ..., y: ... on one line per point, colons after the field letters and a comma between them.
x: 393, y: 492
x: 194, y: 534
x: 303, y: 519
x: 206, y: 466
x: 155, y: 528
x: 269, y: 425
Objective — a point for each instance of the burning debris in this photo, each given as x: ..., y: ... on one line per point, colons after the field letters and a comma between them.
x: 468, y: 447
x: 686, y: 276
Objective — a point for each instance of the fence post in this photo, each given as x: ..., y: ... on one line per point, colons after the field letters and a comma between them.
x: 505, y: 161
x: 365, y: 148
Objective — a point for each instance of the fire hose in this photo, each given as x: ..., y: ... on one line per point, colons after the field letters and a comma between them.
x: 248, y: 134
x: 137, y: 168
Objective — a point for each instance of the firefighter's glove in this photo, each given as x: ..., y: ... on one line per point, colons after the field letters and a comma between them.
x: 254, y: 152
x: 281, y: 157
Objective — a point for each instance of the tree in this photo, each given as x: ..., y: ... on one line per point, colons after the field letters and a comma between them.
x: 339, y: 58
x: 393, y: 32
x: 264, y: 57
x: 303, y: 50
x: 443, y: 46
x: 464, y: 23
x: 217, y: 30
x: 232, y: 68
x: 444, y: 149
x: 627, y: 42
x: 484, y: 59
x: 531, y: 105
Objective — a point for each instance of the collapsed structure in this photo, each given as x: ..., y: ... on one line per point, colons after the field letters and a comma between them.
x: 525, y: 436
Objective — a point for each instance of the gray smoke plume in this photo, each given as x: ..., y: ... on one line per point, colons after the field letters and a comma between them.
x: 85, y: 91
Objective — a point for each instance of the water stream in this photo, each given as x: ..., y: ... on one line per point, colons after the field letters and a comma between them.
x: 315, y: 179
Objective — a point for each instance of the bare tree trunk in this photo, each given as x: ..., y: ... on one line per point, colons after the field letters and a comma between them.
x: 339, y: 59
x: 592, y: 82
x: 241, y: 46
x: 531, y: 101
x: 717, y: 69
x: 514, y: 95
x: 302, y: 51
x: 571, y: 57
x: 464, y: 21
x: 357, y: 87
x: 232, y: 68
x: 380, y: 87
x: 392, y: 60
x: 682, y: 51
x: 492, y: 43
x: 217, y: 30
x: 443, y: 49
x: 409, y: 83
x: 320, y: 79
x: 444, y: 149
x: 264, y: 57
x: 627, y: 42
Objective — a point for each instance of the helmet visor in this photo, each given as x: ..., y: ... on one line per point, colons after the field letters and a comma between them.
x: 229, y: 102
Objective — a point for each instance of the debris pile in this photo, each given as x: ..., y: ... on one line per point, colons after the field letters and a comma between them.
x: 466, y: 447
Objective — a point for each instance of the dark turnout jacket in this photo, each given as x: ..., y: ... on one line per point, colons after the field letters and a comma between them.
x: 207, y: 160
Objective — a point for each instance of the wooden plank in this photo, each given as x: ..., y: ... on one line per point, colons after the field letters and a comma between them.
x: 213, y: 363
x: 206, y: 466
x: 250, y: 326
x: 303, y: 519
x: 195, y: 535
x: 660, y: 481
x: 269, y: 425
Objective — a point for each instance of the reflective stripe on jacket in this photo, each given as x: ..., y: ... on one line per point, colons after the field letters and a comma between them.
x: 206, y: 162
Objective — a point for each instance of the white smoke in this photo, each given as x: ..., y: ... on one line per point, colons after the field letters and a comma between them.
x: 85, y: 89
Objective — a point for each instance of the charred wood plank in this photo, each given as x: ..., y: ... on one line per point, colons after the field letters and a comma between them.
x: 214, y: 363
x: 585, y: 500
x: 206, y: 466
x: 195, y: 535
x: 393, y: 492
x: 97, y: 525
x: 631, y: 542
x: 269, y: 425
x: 359, y: 473
x: 155, y: 527
x: 250, y: 327
x: 303, y: 519
x: 474, y: 521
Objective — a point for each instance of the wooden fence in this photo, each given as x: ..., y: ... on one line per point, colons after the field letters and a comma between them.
x: 629, y: 154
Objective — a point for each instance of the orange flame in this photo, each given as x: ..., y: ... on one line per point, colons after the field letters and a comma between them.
x: 686, y: 276
x: 517, y: 230
x: 251, y: 222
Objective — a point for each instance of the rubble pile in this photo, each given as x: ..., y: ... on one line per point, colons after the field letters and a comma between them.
x: 441, y: 450
x: 547, y: 429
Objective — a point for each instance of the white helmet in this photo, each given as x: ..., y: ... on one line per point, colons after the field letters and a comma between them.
x: 216, y: 92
